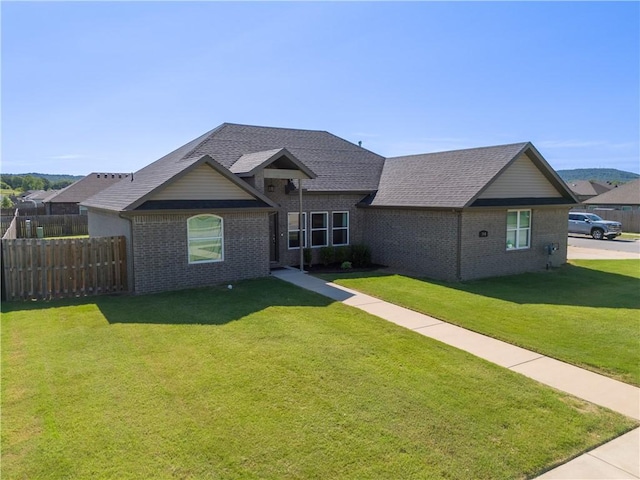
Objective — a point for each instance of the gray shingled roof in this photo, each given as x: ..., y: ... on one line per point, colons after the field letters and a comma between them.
x: 86, y: 187
x: 446, y: 179
x: 248, y: 164
x: 249, y: 161
x: 588, y: 187
x: 627, y: 194
x: 338, y: 164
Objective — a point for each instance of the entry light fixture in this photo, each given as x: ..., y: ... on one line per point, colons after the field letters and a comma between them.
x: 271, y: 188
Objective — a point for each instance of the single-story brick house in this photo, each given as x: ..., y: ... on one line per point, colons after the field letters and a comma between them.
x: 586, y: 189
x: 67, y: 201
x: 226, y: 206
x: 622, y: 197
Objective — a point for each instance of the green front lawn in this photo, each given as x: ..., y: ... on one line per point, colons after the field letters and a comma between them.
x: 586, y: 313
x: 266, y: 381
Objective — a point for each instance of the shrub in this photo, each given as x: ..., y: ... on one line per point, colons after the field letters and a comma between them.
x: 360, y: 255
x: 346, y: 266
x: 341, y: 254
x: 327, y: 255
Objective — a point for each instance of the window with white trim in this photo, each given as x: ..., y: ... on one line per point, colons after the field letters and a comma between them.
x: 340, y: 228
x: 205, y: 239
x: 319, y: 229
x: 518, y: 229
x: 293, y: 230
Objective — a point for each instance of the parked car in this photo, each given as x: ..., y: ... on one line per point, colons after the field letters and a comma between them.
x: 592, y: 224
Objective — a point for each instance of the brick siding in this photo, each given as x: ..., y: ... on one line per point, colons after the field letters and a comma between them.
x: 312, y: 202
x: 416, y: 241
x: 488, y: 257
x: 426, y: 242
x: 161, y: 257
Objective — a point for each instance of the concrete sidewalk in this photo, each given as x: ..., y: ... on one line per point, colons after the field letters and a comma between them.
x: 581, y: 253
x: 617, y: 459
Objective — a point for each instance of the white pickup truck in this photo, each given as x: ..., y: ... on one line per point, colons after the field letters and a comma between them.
x: 592, y: 224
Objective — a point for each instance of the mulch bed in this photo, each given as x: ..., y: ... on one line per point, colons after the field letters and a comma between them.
x: 319, y: 268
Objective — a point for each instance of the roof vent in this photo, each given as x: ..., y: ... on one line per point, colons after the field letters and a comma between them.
x: 359, y: 143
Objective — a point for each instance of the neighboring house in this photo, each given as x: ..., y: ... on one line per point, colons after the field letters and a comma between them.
x: 622, y: 197
x: 586, y: 189
x: 226, y: 206
x: 33, y: 198
x: 67, y: 200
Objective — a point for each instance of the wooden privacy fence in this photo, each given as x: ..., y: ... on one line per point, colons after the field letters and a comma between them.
x: 52, y: 225
x: 6, y: 224
x: 38, y: 269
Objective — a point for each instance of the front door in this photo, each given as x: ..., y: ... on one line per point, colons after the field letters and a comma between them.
x: 274, y: 250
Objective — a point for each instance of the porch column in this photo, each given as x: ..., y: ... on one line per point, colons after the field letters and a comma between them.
x: 301, y: 225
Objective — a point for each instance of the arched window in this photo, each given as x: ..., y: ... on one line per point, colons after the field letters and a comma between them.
x: 205, y: 237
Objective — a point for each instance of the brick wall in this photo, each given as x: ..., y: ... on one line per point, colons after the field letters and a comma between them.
x: 417, y: 241
x: 426, y: 242
x: 312, y: 202
x: 488, y: 256
x: 161, y: 257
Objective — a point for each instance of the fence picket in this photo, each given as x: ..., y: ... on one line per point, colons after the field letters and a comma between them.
x: 52, y: 225
x: 41, y: 269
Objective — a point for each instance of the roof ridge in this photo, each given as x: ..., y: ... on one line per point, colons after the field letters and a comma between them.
x: 521, y: 144
x: 273, y: 128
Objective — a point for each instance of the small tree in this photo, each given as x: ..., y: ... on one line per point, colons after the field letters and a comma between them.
x: 6, y: 202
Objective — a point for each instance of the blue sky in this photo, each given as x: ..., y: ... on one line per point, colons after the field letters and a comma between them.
x: 112, y: 86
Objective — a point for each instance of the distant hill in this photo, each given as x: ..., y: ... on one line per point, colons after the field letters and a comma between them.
x: 52, y: 177
x: 599, y: 174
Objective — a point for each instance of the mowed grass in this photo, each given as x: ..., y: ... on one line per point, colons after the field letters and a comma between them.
x: 266, y: 381
x: 586, y: 313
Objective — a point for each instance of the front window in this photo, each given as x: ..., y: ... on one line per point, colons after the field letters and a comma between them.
x: 293, y: 227
x: 205, y: 239
x: 518, y: 229
x: 319, y: 229
x: 340, y: 230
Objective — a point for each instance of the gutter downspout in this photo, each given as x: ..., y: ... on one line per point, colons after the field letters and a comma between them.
x: 301, y: 225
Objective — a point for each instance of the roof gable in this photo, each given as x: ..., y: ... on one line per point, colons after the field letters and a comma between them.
x: 203, y: 182
x: 280, y: 159
x: 456, y: 179
x: 156, y: 183
x: 521, y: 179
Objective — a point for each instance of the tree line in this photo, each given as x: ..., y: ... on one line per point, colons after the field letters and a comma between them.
x: 24, y: 183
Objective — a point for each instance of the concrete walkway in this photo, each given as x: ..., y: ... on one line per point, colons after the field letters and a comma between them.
x: 614, y: 460
x: 581, y: 253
